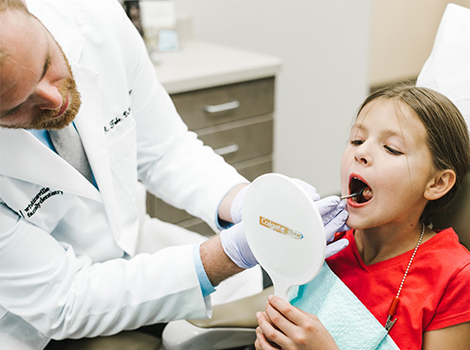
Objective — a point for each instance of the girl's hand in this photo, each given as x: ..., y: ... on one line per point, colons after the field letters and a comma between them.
x: 283, y: 326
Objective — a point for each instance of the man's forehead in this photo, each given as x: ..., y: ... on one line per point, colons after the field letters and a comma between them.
x: 3, y: 55
x: 24, y: 45
x: 18, y: 21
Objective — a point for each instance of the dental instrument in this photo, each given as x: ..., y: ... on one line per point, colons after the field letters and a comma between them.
x: 353, y: 194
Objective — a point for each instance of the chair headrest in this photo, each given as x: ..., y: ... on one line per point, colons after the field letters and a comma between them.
x: 447, y: 69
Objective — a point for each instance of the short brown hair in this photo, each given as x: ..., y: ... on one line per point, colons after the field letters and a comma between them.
x: 13, y: 4
x: 447, y: 133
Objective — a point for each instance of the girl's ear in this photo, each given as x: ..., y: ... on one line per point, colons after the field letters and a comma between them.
x: 440, y: 184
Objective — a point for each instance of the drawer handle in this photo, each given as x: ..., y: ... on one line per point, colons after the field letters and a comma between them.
x: 223, y: 107
x: 222, y: 151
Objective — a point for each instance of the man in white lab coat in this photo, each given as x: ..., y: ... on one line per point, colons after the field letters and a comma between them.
x: 74, y: 262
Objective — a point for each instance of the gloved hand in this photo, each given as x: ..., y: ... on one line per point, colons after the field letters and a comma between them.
x: 236, y: 246
x: 237, y: 204
x: 334, y: 216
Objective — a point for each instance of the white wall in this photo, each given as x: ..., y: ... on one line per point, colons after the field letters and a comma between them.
x: 324, y: 47
x: 402, y: 36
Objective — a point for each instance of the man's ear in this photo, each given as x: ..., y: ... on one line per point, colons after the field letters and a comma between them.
x: 440, y: 184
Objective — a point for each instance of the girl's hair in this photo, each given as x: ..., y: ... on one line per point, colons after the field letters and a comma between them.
x: 447, y: 133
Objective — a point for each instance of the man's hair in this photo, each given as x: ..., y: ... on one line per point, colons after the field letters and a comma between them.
x: 446, y: 133
x: 13, y: 4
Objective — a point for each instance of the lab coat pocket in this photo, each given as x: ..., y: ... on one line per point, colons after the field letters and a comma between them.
x: 123, y: 159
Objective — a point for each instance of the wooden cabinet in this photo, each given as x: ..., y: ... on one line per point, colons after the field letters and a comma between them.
x: 236, y: 120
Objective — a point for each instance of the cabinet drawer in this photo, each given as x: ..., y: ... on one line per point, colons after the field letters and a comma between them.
x: 240, y: 140
x: 222, y: 104
x: 253, y: 168
x: 157, y: 208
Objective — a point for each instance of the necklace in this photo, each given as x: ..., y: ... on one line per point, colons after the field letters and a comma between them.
x: 396, y: 300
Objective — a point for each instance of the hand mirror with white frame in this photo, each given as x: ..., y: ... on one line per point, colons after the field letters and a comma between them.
x: 284, y: 231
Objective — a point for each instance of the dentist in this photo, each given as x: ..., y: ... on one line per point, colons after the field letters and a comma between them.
x: 75, y: 260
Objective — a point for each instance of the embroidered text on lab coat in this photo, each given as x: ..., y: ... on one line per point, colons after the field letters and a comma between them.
x: 117, y: 120
x: 44, y: 194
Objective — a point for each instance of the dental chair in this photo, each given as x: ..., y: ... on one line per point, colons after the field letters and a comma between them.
x: 232, y: 326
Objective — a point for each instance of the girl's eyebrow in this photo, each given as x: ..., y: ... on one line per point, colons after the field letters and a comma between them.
x: 388, y: 133
x: 394, y: 133
x: 358, y: 127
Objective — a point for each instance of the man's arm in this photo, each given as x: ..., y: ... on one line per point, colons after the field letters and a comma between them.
x: 226, y: 204
x: 217, y: 264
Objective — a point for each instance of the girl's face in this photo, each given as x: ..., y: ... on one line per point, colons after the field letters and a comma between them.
x: 386, y: 154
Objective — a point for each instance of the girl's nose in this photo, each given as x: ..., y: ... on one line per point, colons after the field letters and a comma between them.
x: 362, y: 155
x: 48, y: 96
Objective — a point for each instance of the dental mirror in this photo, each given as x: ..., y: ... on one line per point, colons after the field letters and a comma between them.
x: 284, y: 231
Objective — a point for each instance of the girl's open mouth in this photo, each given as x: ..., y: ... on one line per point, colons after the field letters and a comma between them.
x: 359, y: 186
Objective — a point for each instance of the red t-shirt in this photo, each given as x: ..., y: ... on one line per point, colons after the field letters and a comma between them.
x: 435, y: 295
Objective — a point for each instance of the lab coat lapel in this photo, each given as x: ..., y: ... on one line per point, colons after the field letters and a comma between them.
x: 24, y: 157
x: 89, y: 123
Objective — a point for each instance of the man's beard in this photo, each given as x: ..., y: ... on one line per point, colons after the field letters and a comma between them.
x: 45, y: 118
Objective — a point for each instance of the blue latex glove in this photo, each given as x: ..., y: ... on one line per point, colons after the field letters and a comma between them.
x: 334, y: 216
x: 237, y: 204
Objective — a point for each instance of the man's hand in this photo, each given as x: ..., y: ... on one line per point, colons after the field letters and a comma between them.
x: 236, y: 246
x: 334, y: 215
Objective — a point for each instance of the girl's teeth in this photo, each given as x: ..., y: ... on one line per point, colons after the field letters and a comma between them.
x: 367, y: 194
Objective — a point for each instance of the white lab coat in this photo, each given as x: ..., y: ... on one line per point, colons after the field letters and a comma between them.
x: 62, y: 242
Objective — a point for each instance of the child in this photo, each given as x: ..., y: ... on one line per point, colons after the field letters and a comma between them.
x: 409, y: 150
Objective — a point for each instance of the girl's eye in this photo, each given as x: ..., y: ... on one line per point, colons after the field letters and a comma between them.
x: 393, y: 151
x: 357, y: 142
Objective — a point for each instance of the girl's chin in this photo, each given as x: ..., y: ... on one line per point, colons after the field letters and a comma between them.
x: 356, y: 224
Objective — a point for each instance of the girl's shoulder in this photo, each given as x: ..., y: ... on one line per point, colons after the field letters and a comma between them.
x: 451, y: 265
x: 446, y: 249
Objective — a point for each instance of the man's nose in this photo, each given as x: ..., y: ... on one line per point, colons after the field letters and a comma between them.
x: 48, y: 96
